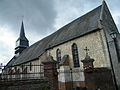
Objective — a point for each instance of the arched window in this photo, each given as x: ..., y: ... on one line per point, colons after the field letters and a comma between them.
x: 75, y: 55
x: 58, y: 55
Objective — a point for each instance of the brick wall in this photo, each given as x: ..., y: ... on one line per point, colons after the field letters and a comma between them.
x: 99, y: 78
x: 51, y: 76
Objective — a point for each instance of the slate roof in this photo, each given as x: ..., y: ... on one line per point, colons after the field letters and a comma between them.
x: 81, y: 26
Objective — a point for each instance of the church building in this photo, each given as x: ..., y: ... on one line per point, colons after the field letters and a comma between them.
x: 83, y: 54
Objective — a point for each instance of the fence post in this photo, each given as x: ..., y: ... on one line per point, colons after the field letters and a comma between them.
x: 50, y: 72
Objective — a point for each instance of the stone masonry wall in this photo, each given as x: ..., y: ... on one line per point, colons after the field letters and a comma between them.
x: 95, y: 41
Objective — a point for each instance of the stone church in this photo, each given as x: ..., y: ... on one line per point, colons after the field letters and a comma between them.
x: 83, y: 53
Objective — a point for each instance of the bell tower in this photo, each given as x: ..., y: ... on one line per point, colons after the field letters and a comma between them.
x: 22, y: 42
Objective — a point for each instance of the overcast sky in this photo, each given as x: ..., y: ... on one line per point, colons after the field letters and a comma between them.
x: 41, y: 18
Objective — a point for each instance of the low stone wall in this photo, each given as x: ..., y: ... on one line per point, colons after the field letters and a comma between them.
x: 24, y: 85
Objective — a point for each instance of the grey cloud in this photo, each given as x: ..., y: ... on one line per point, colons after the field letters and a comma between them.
x: 114, y: 5
x: 5, y: 57
x: 38, y: 14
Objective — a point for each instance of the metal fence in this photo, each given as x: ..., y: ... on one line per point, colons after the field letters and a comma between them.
x: 22, y: 72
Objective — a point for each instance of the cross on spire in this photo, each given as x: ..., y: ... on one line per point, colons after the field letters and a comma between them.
x: 22, y: 17
x: 86, y: 50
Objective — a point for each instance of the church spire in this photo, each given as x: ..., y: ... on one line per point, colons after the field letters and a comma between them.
x: 22, y: 42
x: 22, y: 32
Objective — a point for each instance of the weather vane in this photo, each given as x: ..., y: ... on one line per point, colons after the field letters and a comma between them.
x: 22, y: 17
